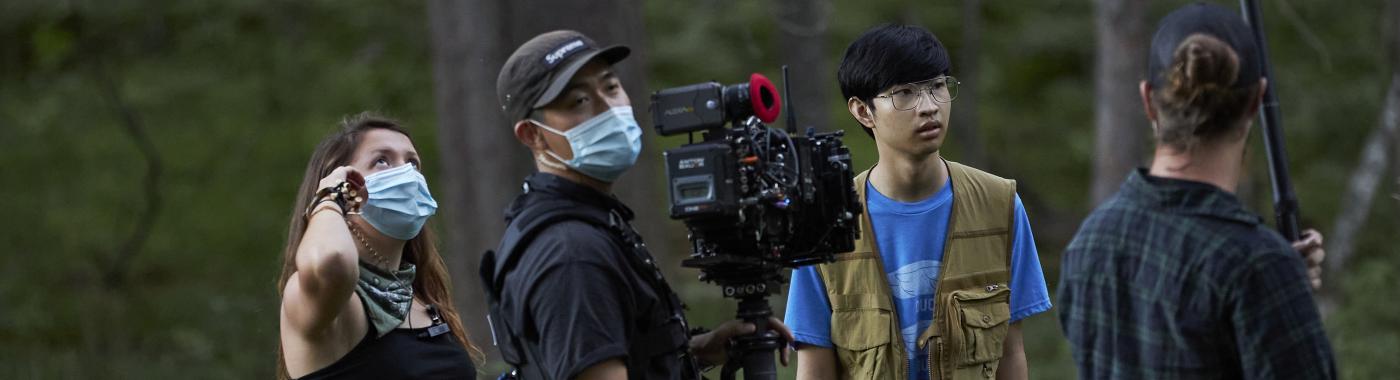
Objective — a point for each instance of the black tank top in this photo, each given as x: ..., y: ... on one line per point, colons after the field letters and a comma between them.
x: 402, y: 354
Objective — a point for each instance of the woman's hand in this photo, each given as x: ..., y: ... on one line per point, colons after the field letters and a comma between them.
x: 356, y: 180
x: 346, y: 174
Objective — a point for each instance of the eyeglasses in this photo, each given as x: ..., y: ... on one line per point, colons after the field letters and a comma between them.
x: 907, y: 96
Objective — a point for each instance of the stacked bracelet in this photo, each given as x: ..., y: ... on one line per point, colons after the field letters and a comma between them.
x: 313, y: 208
x: 345, y: 197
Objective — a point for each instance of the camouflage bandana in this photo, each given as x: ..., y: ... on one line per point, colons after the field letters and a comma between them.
x: 387, y: 297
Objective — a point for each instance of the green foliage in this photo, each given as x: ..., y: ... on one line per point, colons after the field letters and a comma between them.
x: 1364, y: 332
x: 234, y: 94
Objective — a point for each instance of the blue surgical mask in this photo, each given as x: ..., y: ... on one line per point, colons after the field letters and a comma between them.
x: 604, y: 146
x: 399, y: 202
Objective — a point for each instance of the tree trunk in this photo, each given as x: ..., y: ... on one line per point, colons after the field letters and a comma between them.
x: 1119, y: 123
x: 482, y: 163
x: 966, y: 122
x: 802, y: 30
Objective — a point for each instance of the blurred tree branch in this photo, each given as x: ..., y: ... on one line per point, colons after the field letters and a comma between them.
x: 116, y: 267
x: 1365, y: 180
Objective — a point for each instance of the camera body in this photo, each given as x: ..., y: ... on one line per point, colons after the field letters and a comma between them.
x: 754, y: 198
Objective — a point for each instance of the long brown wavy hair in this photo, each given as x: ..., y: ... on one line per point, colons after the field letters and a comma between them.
x: 431, y: 284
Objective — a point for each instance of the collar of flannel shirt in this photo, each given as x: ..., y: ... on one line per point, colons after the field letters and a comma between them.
x: 1186, y: 197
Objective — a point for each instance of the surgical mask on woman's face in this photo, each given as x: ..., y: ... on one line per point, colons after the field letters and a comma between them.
x: 604, y: 146
x: 399, y: 203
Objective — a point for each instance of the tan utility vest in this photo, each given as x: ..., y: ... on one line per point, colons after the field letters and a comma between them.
x: 972, y: 296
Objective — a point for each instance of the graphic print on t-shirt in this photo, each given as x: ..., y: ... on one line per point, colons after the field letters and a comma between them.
x: 913, y: 287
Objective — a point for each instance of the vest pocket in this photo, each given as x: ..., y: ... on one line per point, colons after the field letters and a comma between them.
x: 860, y: 330
x: 860, y: 321
x: 979, y: 319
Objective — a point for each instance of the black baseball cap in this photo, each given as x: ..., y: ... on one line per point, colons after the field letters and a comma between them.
x: 540, y: 69
x: 1210, y: 19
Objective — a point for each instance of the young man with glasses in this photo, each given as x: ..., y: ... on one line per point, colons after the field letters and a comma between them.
x: 945, y: 267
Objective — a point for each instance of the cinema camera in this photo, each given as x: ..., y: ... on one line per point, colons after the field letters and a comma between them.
x: 755, y: 199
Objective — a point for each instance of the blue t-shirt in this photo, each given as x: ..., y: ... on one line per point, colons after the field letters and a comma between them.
x: 910, y: 238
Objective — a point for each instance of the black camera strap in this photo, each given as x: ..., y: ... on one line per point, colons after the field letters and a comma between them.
x: 523, y: 228
x: 661, y: 340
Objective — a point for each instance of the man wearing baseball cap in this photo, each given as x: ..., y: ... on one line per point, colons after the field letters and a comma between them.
x: 1172, y: 277
x: 574, y: 292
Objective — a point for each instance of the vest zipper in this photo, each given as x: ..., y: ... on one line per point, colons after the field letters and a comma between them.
x: 931, y: 374
x: 940, y: 375
x: 905, y: 369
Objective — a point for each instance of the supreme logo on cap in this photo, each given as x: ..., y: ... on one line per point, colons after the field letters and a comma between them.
x: 563, y: 52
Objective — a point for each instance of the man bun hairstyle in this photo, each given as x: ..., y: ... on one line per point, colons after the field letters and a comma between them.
x: 1204, y: 70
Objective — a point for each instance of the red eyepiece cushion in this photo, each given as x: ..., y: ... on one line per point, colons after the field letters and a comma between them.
x: 758, y: 84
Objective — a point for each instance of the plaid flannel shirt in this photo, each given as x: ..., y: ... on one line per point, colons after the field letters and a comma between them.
x: 1173, y: 279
